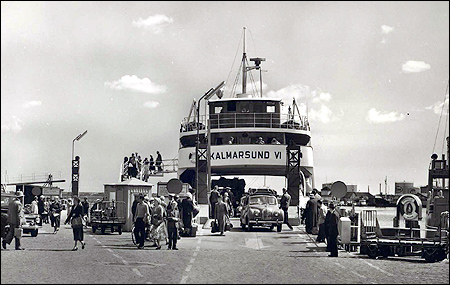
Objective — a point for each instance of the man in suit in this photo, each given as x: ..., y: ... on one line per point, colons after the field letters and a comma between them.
x: 15, y: 216
x: 332, y: 232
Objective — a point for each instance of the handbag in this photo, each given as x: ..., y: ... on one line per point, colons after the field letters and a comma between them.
x: 214, y: 227
x: 77, y: 222
x: 18, y: 232
x: 195, y: 211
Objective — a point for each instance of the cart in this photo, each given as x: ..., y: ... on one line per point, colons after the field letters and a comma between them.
x: 408, y: 242
x: 108, y: 215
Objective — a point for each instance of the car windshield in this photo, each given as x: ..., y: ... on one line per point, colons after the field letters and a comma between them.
x: 261, y: 200
x: 6, y: 200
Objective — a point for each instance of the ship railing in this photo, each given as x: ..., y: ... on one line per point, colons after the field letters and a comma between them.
x: 248, y: 120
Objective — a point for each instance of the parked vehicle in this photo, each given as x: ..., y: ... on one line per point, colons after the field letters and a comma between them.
x: 108, y: 215
x: 260, y: 208
x: 31, y: 221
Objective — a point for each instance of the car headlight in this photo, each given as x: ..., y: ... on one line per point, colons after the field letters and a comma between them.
x: 276, y: 214
x: 256, y: 212
x: 38, y: 220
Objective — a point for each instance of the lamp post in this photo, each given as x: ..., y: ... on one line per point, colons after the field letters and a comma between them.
x: 77, y: 138
x: 211, y: 92
x: 75, y: 166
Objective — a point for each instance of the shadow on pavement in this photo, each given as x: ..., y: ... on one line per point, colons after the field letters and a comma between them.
x: 47, y: 249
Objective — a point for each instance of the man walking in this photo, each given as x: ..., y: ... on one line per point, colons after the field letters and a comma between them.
x: 15, y: 215
x: 221, y: 215
x: 141, y: 218
x: 284, y: 204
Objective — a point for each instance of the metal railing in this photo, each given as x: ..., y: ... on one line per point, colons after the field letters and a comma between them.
x: 247, y: 120
x: 32, y: 177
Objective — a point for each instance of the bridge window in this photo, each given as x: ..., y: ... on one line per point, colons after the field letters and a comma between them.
x: 270, y: 109
x: 231, y: 106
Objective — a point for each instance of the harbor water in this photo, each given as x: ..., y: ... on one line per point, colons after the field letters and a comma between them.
x: 385, y: 215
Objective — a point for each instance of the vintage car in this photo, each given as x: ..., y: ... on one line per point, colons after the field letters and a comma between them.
x: 30, y: 222
x: 261, y: 208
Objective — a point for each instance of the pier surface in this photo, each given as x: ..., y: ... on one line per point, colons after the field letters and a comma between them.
x: 259, y: 256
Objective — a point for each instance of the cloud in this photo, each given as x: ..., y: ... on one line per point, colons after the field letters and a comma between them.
x: 154, y: 23
x: 321, y: 97
x: 151, y: 104
x: 437, y: 107
x: 15, y: 125
x: 30, y: 104
x: 302, y: 94
x: 376, y: 117
x: 386, y: 29
x: 134, y: 83
x: 412, y: 66
x: 297, y: 91
x: 324, y: 115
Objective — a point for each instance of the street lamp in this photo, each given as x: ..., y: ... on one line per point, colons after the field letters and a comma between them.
x: 77, y: 139
x: 75, y: 166
x: 211, y: 92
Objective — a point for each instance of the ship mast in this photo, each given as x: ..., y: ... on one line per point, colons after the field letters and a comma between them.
x: 244, y: 68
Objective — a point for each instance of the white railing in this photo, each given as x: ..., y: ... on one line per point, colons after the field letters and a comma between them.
x: 32, y: 177
x: 247, y: 120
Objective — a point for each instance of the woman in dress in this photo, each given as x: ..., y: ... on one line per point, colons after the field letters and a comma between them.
x: 158, y: 227
x: 145, y: 170
x: 76, y: 218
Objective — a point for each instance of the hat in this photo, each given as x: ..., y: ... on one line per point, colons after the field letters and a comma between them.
x: 171, y: 195
x: 19, y: 193
x: 189, y: 195
x: 146, y: 198
x: 331, y: 205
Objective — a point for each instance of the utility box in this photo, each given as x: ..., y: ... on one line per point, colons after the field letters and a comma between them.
x: 345, y: 230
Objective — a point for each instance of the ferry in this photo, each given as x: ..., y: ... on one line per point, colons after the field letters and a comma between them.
x: 246, y: 134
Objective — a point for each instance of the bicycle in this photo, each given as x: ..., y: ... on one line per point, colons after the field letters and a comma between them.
x: 147, y: 234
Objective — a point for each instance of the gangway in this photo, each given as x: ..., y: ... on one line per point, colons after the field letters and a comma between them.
x: 168, y: 166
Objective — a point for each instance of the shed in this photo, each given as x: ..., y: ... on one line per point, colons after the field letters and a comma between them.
x: 125, y: 191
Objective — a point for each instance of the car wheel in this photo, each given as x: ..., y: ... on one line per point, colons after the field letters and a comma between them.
x: 103, y: 230
x: 429, y: 254
x: 279, y: 228
x: 119, y: 230
x: 372, y: 251
x: 94, y: 228
x: 34, y: 233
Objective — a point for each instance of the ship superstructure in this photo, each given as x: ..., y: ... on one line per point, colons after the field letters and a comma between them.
x: 247, y: 134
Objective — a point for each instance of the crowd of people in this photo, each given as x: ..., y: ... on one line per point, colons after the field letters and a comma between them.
x: 159, y: 222
x: 321, y: 222
x: 135, y: 167
x: 47, y: 208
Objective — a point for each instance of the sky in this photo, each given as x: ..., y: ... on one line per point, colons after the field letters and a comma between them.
x: 372, y: 77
